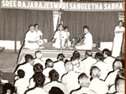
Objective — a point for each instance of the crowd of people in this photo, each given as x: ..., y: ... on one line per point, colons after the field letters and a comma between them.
x: 101, y: 74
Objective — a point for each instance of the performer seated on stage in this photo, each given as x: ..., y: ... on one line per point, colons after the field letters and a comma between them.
x: 60, y: 37
x: 39, y: 35
x: 86, y: 42
x: 32, y: 38
x: 67, y: 37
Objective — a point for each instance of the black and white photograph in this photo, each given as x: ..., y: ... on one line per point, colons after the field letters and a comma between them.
x: 62, y: 47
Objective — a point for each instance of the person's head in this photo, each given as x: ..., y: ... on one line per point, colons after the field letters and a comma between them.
x: 88, y: 53
x: 28, y: 58
x: 99, y: 57
x: 39, y: 79
x: 117, y: 64
x: 8, y: 89
x: 53, y: 75
x: 21, y: 73
x: 83, y: 80
x: 60, y: 57
x: 37, y: 68
x: 68, y: 66
x: 85, y: 29
x: 36, y: 26
x: 56, y: 90
x: 106, y: 53
x: 38, y: 54
x: 60, y: 27
x: 31, y: 28
x: 95, y: 72
x: 120, y: 23
x: 76, y: 55
x: 49, y: 63
x: 66, y: 28
x: 120, y: 85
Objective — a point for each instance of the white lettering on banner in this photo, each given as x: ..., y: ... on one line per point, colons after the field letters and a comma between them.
x: 70, y: 6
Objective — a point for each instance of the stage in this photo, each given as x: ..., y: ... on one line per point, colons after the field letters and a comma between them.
x: 50, y: 52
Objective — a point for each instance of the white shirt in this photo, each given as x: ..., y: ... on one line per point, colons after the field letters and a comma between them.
x: 76, y: 65
x: 98, y: 86
x: 87, y: 43
x: 70, y: 80
x: 117, y: 43
x: 38, y: 34
x: 46, y: 71
x: 109, y: 62
x: 86, y: 65
x: 21, y: 85
x: 48, y: 86
x: 37, y: 90
x: 60, y: 37
x: 40, y: 61
x: 60, y: 68
x: 31, y: 36
x: 28, y: 69
x: 83, y: 90
x: 103, y: 67
x: 110, y: 80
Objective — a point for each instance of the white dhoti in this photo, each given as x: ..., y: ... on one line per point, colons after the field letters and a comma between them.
x: 117, y: 43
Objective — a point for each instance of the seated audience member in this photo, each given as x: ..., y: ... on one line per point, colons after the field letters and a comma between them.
x: 27, y: 67
x: 84, y: 83
x: 54, y: 76
x: 21, y: 83
x: 113, y: 88
x: 39, y: 36
x: 67, y: 43
x: 59, y: 65
x: 37, y: 68
x: 39, y: 80
x: 86, y: 42
x: 108, y: 59
x: 76, y: 61
x: 97, y: 85
x: 8, y: 89
x: 117, y: 65
x: 87, y: 62
x: 101, y: 65
x: 30, y: 39
x: 59, y: 37
x: 56, y: 90
x: 70, y: 78
x: 48, y: 67
x: 38, y: 58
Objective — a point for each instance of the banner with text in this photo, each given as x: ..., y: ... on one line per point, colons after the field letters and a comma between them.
x: 68, y: 6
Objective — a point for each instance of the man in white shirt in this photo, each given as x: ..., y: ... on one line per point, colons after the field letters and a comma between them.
x: 86, y: 42
x: 97, y: 85
x: 38, y: 58
x: 59, y: 37
x: 54, y: 76
x: 87, y: 63
x: 101, y: 65
x: 118, y: 39
x: 39, y: 35
x: 70, y: 79
x: 30, y: 39
x: 84, y: 83
x: 108, y: 59
x: 21, y: 88
x: 110, y: 79
x: 39, y: 79
x: 27, y: 67
x: 59, y: 65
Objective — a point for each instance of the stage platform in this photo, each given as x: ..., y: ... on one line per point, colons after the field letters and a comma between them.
x: 50, y: 52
